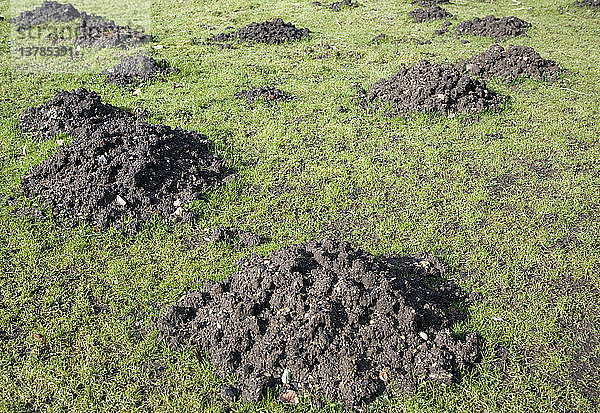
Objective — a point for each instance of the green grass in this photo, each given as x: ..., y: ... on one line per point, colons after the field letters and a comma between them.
x: 510, y: 201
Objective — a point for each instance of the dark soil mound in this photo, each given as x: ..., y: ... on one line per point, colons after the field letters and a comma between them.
x: 512, y: 63
x: 499, y: 28
x: 75, y: 113
x: 429, y: 3
x: 588, y: 3
x: 325, y: 321
x: 425, y: 15
x: 276, y: 31
x: 430, y: 87
x: 268, y: 94
x: 137, y: 69
x: 232, y: 235
x: 122, y: 170
x: 99, y: 32
x: 339, y: 5
x: 49, y: 11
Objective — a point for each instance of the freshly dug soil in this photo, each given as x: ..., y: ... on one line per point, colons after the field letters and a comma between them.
x: 49, y: 11
x: 77, y: 113
x: 275, y: 31
x: 232, y: 235
x: 499, y: 28
x: 429, y: 3
x: 588, y: 3
x: 268, y: 94
x: 430, y: 87
x: 136, y: 69
x: 339, y: 5
x: 99, y: 32
x: 512, y: 63
x: 325, y: 321
x: 425, y: 15
x: 122, y: 170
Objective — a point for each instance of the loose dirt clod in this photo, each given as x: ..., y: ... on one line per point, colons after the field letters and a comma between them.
x: 99, y: 32
x: 136, y: 69
x: 49, y: 11
x: 275, y: 31
x: 266, y: 93
x: 430, y: 87
x: 512, y: 63
x: 332, y: 321
x: 595, y: 4
x: 425, y: 15
x: 119, y: 170
x: 499, y: 28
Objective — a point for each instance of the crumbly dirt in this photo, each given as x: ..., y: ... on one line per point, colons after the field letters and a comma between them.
x: 137, y: 69
x: 339, y: 5
x: 119, y: 170
x: 327, y: 322
x: 233, y: 235
x: 275, y: 31
x: 77, y: 113
x: 49, y: 11
x: 512, y: 63
x: 431, y: 13
x: 594, y: 4
x: 429, y: 3
x: 266, y: 93
x: 498, y: 28
x: 429, y: 87
x: 96, y: 31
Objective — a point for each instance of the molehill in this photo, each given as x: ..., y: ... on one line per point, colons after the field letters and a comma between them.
x: 324, y: 321
x: 136, y: 69
x: 431, y: 13
x: 491, y: 26
x: 49, y: 11
x: 429, y: 87
x: 275, y: 31
x: 593, y: 4
x: 119, y: 170
x: 512, y: 63
x: 93, y: 30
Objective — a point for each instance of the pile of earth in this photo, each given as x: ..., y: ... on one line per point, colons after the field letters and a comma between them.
x: 49, y: 11
x: 588, y: 3
x: 77, y: 113
x: 491, y: 26
x: 233, y: 235
x: 429, y: 3
x: 324, y: 321
x: 338, y: 5
x: 275, y: 31
x: 119, y: 170
x: 429, y: 87
x: 136, y: 69
x: 266, y: 93
x: 99, y: 32
x: 512, y: 63
x: 93, y: 30
x: 425, y: 15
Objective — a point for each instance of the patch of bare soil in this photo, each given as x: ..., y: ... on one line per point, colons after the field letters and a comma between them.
x: 324, y: 321
x: 430, y: 87
x: 512, y: 63
x: 498, y: 28
x: 119, y: 170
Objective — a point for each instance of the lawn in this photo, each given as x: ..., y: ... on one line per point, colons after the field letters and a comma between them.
x: 509, y: 201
